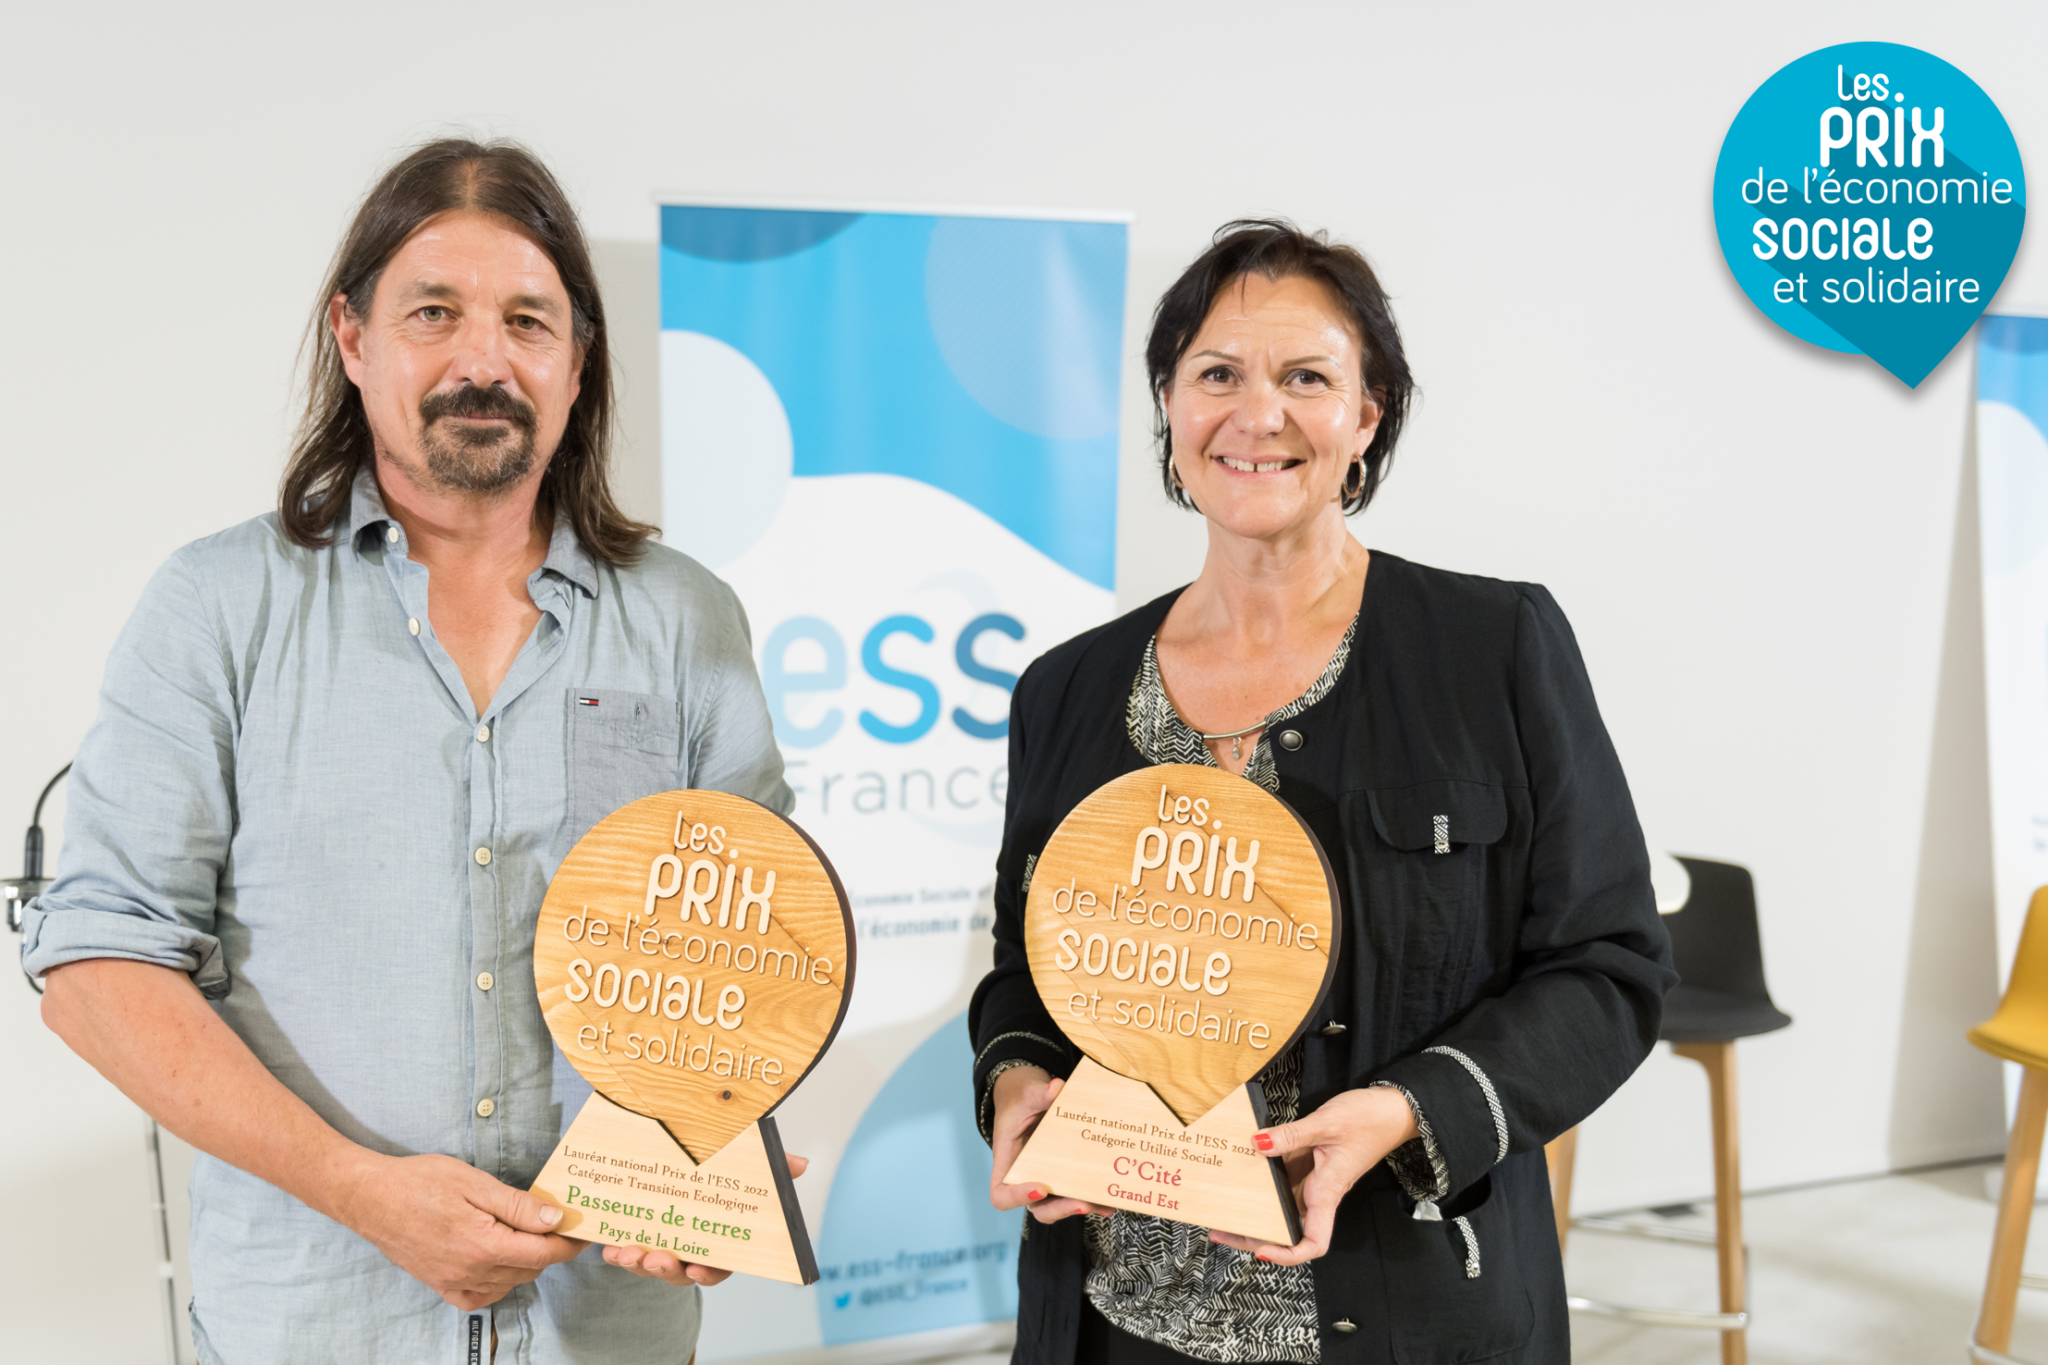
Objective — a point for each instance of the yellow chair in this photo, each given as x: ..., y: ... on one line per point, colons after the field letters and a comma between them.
x: 2017, y: 1033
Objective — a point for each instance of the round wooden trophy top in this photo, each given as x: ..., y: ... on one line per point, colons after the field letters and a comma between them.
x: 1181, y: 930
x: 694, y: 957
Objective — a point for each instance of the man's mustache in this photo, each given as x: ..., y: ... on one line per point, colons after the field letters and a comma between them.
x: 471, y: 401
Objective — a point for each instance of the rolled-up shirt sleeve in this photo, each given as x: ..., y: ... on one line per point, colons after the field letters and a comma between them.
x: 149, y: 813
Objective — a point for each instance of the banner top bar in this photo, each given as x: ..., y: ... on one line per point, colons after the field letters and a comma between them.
x: 680, y: 199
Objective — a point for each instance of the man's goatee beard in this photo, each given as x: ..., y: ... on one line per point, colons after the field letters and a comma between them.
x: 467, y: 460
x: 477, y: 467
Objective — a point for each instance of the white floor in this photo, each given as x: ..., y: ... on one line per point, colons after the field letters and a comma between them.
x: 1883, y: 1271
x: 1878, y: 1271
x: 1873, y: 1271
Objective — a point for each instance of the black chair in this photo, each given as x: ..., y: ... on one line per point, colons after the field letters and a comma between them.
x: 1720, y: 998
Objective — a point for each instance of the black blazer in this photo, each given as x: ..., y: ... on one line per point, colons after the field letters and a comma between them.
x: 1532, y: 949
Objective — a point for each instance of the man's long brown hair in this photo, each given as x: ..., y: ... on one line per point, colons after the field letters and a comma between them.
x: 333, y: 442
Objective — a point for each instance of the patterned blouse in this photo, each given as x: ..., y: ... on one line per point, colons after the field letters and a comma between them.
x: 1166, y: 1281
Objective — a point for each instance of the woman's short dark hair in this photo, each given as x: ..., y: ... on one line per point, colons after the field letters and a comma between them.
x: 1276, y: 249
x: 506, y: 180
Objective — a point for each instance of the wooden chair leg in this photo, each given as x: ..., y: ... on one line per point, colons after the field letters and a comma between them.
x: 1719, y: 1061
x: 2015, y: 1212
x: 1560, y: 1155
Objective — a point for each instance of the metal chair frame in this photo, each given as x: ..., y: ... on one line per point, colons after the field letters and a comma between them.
x: 1732, y: 1322
x: 1656, y: 1317
x: 1719, y: 951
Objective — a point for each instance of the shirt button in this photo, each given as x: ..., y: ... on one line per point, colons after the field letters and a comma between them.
x: 1341, y: 1324
x: 391, y: 534
x: 484, y: 981
x: 483, y: 734
x: 483, y: 857
x: 1333, y: 1029
x: 413, y: 625
x: 484, y: 1108
x: 1290, y: 740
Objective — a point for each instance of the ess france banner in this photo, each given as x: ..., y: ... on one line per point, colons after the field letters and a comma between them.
x: 895, y: 436
x: 2012, y: 489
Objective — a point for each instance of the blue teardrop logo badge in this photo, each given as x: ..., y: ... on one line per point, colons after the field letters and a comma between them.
x: 1869, y: 198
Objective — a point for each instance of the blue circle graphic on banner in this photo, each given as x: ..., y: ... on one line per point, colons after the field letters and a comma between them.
x: 1869, y: 198
x: 1030, y: 318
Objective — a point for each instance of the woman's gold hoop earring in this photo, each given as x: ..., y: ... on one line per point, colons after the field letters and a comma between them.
x: 1354, y: 482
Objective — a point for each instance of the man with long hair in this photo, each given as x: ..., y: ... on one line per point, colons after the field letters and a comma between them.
x: 340, y: 750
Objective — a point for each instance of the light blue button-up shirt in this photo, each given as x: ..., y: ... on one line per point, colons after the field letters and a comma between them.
x: 289, y: 795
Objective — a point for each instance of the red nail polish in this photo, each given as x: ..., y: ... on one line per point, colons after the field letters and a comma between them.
x: 1263, y: 1141
x: 1036, y: 1194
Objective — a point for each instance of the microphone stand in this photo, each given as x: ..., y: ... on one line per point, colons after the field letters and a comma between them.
x: 17, y: 892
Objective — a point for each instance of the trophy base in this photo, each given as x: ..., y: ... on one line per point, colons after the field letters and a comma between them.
x: 619, y: 1178
x: 1110, y: 1140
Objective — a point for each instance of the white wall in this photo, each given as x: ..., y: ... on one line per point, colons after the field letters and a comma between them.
x: 1769, y: 552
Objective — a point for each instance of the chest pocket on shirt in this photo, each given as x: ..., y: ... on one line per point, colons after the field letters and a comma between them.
x: 1439, y: 817
x: 1425, y: 882
x: 622, y: 746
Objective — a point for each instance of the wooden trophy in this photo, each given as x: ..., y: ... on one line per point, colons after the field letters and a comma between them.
x: 1181, y: 931
x: 694, y: 958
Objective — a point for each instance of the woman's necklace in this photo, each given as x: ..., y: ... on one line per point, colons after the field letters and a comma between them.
x: 1236, y: 738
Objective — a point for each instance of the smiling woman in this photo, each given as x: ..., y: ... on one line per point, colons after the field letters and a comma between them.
x: 1502, y: 966
x: 1331, y: 289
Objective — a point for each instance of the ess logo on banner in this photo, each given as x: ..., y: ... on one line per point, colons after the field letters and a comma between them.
x: 1869, y: 199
